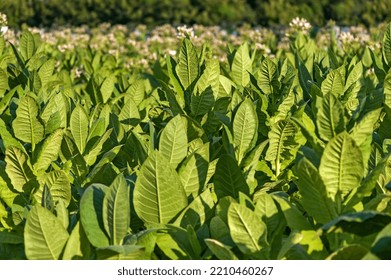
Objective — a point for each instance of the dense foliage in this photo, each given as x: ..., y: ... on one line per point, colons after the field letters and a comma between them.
x: 207, y: 12
x: 258, y: 156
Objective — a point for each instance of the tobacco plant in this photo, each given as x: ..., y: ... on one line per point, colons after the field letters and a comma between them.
x: 256, y: 157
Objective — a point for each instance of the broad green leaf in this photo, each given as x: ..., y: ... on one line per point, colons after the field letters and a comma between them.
x: 136, y: 92
x: 199, y: 211
x: 3, y: 82
x: 314, y: 196
x: 106, y: 158
x: 245, y: 128
x: 367, y: 185
x: 175, y: 80
x: 175, y: 244
x: 93, y: 152
x: 7, y: 138
x: 303, y: 245
x: 387, y: 87
x: 363, y: 131
x: 283, y: 145
x: 10, y: 237
x: 116, y: 210
x: 78, y: 247
x: 210, y: 78
x: 44, y: 236
x: 268, y: 77
x: 202, y: 102
x: 329, y: 117
x: 221, y: 251
x: 386, y: 46
x: 341, y: 166
x: 354, y: 75
x: 46, y: 71
x: 6, y: 100
x: 26, y: 125
x: 241, y: 66
x: 228, y: 178
x: 79, y: 127
x: 187, y: 68
x: 19, y: 170
x: 360, y: 223
x: 381, y: 245
x: 173, y: 141
x: 293, y: 217
x: 129, y: 115
x: 193, y: 172
x: 121, y: 252
x: 158, y: 193
x: 349, y: 252
x: 27, y: 45
x: 91, y: 214
x: 247, y: 229
x: 267, y: 210
x: 333, y: 83
x: 49, y: 151
x: 58, y: 183
x: 107, y: 87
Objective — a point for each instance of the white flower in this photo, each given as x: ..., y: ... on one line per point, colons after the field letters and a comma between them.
x: 3, y: 23
x: 172, y: 52
x: 3, y: 29
x: 300, y: 24
x: 184, y: 31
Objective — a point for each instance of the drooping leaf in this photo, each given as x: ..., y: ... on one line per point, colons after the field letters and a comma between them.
x: 221, y: 251
x: 360, y: 223
x: 349, y: 252
x: 158, y: 194
x: 44, y: 236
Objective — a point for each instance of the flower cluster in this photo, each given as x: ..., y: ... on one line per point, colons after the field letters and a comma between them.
x: 300, y: 24
x: 185, y: 32
x: 3, y: 23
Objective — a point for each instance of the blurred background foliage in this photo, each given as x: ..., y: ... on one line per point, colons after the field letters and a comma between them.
x: 46, y: 13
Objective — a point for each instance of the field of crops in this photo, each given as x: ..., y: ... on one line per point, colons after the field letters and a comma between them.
x: 195, y: 143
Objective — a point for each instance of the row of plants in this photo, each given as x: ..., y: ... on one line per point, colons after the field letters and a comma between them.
x: 254, y: 157
x: 211, y: 12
